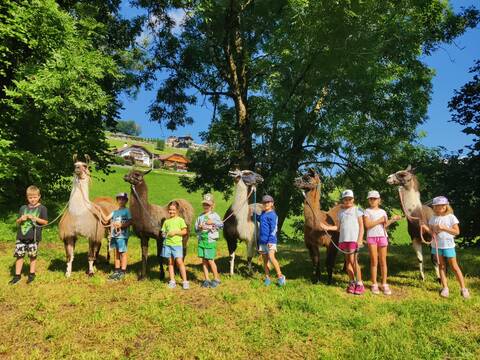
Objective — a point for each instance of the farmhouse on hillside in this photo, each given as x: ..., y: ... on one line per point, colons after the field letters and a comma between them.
x: 137, y: 152
x: 174, y: 161
x: 183, y: 142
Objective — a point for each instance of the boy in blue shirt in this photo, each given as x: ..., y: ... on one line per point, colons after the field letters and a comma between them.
x: 121, y: 221
x: 268, y: 240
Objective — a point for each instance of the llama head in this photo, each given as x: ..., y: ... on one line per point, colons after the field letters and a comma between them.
x: 81, y: 169
x: 310, y: 180
x: 135, y: 176
x: 405, y: 178
x: 249, y: 177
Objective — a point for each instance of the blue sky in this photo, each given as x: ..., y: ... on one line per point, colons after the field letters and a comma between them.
x: 451, y: 64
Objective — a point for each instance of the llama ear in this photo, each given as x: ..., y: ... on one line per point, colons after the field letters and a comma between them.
x: 87, y: 159
x: 409, y: 168
x: 75, y: 158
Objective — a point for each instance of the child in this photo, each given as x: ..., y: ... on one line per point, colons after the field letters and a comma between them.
x: 173, y: 229
x: 268, y: 240
x: 376, y: 223
x: 207, y: 226
x: 351, y: 237
x: 444, y: 225
x: 31, y: 219
x: 121, y: 221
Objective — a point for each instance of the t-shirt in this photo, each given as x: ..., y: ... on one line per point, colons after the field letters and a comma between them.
x: 349, y: 227
x: 207, y: 237
x: 175, y: 223
x: 122, y: 216
x: 444, y: 239
x: 26, y: 230
x: 379, y: 229
x: 268, y: 227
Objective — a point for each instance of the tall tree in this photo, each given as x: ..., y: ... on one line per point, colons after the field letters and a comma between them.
x: 128, y: 127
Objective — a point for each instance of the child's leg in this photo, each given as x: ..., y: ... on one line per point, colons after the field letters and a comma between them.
x: 442, y: 268
x: 205, y: 269
x: 357, y: 268
x: 274, y: 261
x: 123, y: 260
x: 382, y: 255
x: 458, y: 272
x: 33, y: 264
x: 18, y: 265
x: 373, y: 262
x: 349, y: 260
x: 171, y: 272
x: 213, y: 266
x: 265, y: 265
x: 117, y: 260
x: 181, y: 267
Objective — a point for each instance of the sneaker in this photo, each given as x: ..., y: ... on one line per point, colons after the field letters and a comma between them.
x: 186, y: 285
x: 31, y: 278
x: 444, y: 292
x: 114, y: 274
x: 172, y: 284
x: 386, y: 289
x: 120, y: 276
x: 375, y: 289
x: 282, y: 281
x: 267, y: 282
x: 359, y: 289
x: 206, y: 284
x: 465, y: 293
x: 351, y: 288
x: 15, y: 280
x: 215, y: 283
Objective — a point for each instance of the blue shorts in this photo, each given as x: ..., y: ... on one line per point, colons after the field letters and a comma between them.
x: 119, y: 244
x: 169, y: 251
x: 448, y: 253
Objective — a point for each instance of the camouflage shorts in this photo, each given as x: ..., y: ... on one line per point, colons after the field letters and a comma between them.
x: 21, y: 249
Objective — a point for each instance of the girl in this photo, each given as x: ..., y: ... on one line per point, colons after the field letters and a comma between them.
x: 207, y: 226
x: 268, y: 240
x: 351, y: 237
x: 173, y: 230
x: 444, y: 226
x: 376, y: 223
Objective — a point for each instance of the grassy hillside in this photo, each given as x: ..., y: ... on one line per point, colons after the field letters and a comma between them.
x: 118, y: 143
x: 91, y: 318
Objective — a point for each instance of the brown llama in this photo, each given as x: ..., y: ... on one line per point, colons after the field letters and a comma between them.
x: 147, y: 219
x: 314, y: 236
x: 238, y: 220
x: 415, y: 212
x: 84, y: 217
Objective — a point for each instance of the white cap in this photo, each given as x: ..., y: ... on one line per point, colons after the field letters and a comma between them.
x: 440, y: 200
x: 373, y: 194
x: 347, y: 193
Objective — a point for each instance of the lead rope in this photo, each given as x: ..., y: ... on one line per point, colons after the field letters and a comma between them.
x: 245, y: 202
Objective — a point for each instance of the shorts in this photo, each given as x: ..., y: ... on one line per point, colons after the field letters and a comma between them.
x: 348, y: 246
x: 448, y: 253
x: 380, y: 241
x: 120, y: 244
x: 169, y: 251
x: 25, y: 248
x: 209, y: 253
x: 266, y: 248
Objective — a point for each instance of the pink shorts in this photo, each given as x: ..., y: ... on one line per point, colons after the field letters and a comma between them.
x: 348, y: 246
x: 380, y: 241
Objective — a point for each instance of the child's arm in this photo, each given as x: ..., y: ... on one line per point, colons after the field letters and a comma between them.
x: 369, y: 223
x: 21, y: 219
x: 393, y: 219
x: 454, y: 230
x: 180, y: 232
x: 327, y: 227
x: 217, y: 221
x: 361, y: 230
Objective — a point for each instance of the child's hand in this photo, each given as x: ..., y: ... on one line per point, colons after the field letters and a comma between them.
x: 172, y: 233
x: 23, y: 218
x: 425, y: 228
x: 396, y: 218
x: 209, y: 222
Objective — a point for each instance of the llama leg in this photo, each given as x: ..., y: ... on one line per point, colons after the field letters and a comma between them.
x: 69, y: 251
x: 417, y: 246
x: 92, y: 251
x: 331, y: 256
x: 159, y: 256
x: 232, y: 263
x: 232, y: 247
x: 185, y: 244
x: 315, y: 256
x: 251, y: 246
x: 144, y: 244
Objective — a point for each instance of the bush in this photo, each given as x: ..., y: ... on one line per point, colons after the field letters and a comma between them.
x: 157, y: 164
x: 160, y: 145
x: 118, y: 160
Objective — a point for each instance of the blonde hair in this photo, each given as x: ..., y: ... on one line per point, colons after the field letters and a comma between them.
x: 33, y: 190
x: 449, y: 209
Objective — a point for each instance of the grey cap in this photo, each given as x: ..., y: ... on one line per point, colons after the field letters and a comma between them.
x: 123, y: 195
x: 267, y: 198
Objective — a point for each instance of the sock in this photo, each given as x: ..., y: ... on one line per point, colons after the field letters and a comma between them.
x: 17, y: 275
x: 123, y: 271
x: 359, y: 282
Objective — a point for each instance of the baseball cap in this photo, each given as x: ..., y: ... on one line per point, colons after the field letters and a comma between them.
x: 122, y: 195
x: 440, y: 200
x: 207, y: 199
x: 347, y: 193
x: 267, y: 198
x: 373, y: 194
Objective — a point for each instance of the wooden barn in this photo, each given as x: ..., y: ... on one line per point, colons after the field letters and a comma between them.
x: 174, y: 161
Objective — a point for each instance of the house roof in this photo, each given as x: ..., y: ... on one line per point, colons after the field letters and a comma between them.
x: 133, y: 146
x: 169, y: 156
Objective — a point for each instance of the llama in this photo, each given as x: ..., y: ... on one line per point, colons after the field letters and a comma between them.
x: 238, y: 222
x: 416, y: 213
x: 84, y: 218
x: 314, y: 236
x: 147, y: 219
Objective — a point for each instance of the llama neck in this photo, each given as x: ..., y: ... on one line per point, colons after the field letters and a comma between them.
x: 312, y: 202
x: 411, y: 200
x: 79, y: 197
x: 240, y: 202
x: 139, y: 194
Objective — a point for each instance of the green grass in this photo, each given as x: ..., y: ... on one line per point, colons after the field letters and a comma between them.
x: 118, y: 143
x: 90, y: 318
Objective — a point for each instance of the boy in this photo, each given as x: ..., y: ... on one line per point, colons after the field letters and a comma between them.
x: 121, y: 221
x: 207, y: 226
x: 31, y: 219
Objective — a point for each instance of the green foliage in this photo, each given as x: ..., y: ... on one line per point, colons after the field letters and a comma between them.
x: 128, y: 127
x: 118, y: 160
x: 157, y: 164
x: 160, y: 145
